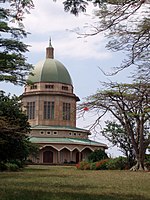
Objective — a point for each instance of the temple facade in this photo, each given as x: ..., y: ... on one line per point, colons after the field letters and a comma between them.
x: 50, y: 104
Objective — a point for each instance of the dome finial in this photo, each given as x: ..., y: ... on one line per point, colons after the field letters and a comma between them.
x: 50, y: 42
x: 50, y: 50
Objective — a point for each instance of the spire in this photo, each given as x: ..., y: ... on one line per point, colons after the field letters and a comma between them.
x: 50, y: 42
x: 50, y: 50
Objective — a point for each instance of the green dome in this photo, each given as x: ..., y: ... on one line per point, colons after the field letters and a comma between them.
x: 50, y: 70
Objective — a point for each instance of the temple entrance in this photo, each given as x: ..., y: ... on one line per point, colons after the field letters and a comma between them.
x: 86, y: 152
x: 78, y: 157
x: 47, y: 157
x: 64, y: 155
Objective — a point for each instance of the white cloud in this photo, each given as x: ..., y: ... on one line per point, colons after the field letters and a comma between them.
x: 83, y: 49
x: 50, y: 16
x: 50, y: 19
x: 69, y: 45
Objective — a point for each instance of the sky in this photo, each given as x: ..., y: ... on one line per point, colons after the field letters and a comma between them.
x: 82, y: 56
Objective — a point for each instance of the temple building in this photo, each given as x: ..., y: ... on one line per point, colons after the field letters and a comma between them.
x: 50, y: 104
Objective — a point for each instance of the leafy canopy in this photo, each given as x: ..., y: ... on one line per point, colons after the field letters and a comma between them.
x: 126, y: 24
x: 14, y: 127
x: 129, y: 104
x: 97, y: 155
x: 13, y: 64
x: 115, y: 134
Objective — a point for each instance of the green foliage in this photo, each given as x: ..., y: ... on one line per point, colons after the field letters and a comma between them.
x: 119, y: 163
x: 19, y: 163
x: 124, y: 31
x: 83, y: 165
x: 147, y: 165
x: 12, y: 167
x: 93, y: 166
x: 3, y: 166
x: 102, y: 165
x: 129, y: 109
x: 15, y: 146
x: 77, y: 6
x: 13, y: 65
x: 116, y: 134
x: 147, y: 161
x: 97, y: 155
x: 33, y: 149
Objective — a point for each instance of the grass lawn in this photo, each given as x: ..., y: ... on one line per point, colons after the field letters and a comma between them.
x: 68, y: 183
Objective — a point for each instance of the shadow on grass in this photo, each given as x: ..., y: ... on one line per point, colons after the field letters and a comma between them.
x: 40, y: 195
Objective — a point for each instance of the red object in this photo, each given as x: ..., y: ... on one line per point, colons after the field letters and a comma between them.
x: 85, y: 108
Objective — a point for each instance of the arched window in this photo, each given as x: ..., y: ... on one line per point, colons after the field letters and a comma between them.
x: 66, y: 111
x: 49, y: 110
x: 31, y: 110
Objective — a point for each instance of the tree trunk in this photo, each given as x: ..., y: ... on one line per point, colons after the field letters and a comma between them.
x: 139, y: 147
x: 139, y: 166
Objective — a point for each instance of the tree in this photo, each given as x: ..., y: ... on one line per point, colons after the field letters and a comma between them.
x: 13, y: 65
x: 128, y: 28
x: 130, y: 105
x: 126, y: 24
x: 97, y: 155
x: 77, y: 6
x: 115, y: 134
x: 14, y: 127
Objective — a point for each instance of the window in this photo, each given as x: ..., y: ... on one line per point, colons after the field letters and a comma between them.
x: 66, y: 111
x: 48, y: 133
x: 49, y: 86
x: 64, y: 88
x: 31, y: 110
x: 33, y: 87
x: 48, y: 110
x: 42, y: 132
x: 55, y: 132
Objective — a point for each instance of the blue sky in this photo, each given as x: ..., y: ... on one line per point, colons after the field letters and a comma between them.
x: 81, y: 56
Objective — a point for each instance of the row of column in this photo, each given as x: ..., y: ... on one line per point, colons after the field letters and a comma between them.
x: 78, y: 157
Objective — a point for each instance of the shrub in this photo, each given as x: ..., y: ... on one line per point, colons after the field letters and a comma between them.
x: 3, y: 167
x: 93, y: 166
x: 119, y: 163
x: 19, y: 163
x: 12, y: 167
x: 28, y: 162
x: 97, y: 155
x: 102, y: 165
x: 147, y: 165
x: 147, y: 157
x: 83, y: 165
x: 72, y: 162
x: 147, y: 161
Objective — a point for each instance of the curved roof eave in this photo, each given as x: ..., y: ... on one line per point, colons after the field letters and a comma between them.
x: 77, y: 141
